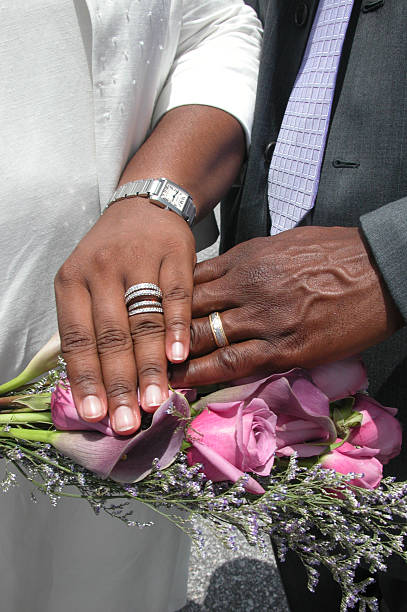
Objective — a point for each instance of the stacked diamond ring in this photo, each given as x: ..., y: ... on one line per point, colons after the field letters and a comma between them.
x: 150, y: 291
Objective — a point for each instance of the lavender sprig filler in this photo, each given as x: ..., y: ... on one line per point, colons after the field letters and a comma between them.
x: 296, y: 510
x: 315, y: 512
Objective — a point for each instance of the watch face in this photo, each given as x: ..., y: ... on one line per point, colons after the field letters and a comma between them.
x: 176, y: 197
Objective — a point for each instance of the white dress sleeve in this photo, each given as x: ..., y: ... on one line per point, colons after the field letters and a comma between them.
x: 216, y: 60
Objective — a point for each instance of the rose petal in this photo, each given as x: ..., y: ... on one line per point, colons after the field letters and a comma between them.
x: 341, y: 378
x: 302, y: 450
x: 371, y: 469
x: 217, y: 468
x: 216, y: 427
x: 379, y: 428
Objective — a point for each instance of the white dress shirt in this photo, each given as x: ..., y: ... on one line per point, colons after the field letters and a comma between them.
x: 82, y: 84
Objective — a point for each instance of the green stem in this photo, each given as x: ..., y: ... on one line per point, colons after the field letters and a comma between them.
x: 34, y: 435
x: 26, y: 403
x: 19, y: 381
x: 338, y: 444
x: 8, y: 400
x: 11, y: 410
x: 25, y: 417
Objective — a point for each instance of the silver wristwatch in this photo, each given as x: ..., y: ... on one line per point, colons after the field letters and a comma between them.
x: 159, y: 191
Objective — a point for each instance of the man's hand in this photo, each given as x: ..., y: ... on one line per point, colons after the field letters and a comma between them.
x: 308, y: 296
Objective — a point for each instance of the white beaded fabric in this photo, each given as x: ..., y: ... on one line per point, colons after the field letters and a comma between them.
x: 296, y: 163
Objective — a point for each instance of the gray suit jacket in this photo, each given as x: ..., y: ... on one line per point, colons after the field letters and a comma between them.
x: 364, y: 172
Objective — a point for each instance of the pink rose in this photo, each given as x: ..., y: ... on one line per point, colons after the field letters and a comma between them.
x: 302, y: 410
x: 298, y: 435
x: 379, y: 429
x: 234, y: 438
x: 347, y: 459
x: 341, y: 378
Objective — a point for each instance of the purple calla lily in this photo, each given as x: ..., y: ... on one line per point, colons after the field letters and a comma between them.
x: 128, y: 459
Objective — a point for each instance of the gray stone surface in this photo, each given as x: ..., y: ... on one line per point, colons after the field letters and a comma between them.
x: 213, y: 250
x: 240, y: 581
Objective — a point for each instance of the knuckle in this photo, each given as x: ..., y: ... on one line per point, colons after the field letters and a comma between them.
x: 142, y: 328
x: 76, y: 338
x: 177, y: 294
x: 177, y: 324
x: 66, y: 276
x: 113, y: 339
x: 229, y: 359
x: 256, y: 277
x: 282, y: 352
x: 293, y: 343
x: 84, y: 379
x: 118, y: 388
x: 198, y: 336
x: 151, y: 370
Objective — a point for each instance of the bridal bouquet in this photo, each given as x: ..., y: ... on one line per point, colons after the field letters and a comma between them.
x: 296, y: 456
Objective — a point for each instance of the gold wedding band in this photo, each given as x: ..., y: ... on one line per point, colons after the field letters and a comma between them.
x: 217, y: 330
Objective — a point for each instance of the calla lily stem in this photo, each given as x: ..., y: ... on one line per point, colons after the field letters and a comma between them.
x: 17, y: 382
x: 25, y: 417
x: 33, y: 435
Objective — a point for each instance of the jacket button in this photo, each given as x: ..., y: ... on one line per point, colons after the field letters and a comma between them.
x: 373, y: 5
x: 301, y: 14
x: 269, y: 150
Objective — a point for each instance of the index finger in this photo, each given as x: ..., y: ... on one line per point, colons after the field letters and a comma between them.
x: 176, y: 281
x: 215, y: 295
x: 210, y: 269
x: 223, y: 365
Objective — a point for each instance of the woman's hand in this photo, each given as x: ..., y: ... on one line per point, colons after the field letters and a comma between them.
x: 304, y: 297
x: 109, y: 354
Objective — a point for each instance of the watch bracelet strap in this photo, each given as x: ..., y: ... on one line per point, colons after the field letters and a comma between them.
x: 144, y: 187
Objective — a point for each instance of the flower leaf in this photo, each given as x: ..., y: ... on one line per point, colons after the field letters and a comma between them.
x: 35, y: 403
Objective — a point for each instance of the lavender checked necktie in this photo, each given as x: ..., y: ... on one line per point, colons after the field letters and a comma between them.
x: 296, y: 164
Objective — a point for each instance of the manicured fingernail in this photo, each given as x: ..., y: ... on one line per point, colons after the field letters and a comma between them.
x: 123, y: 418
x: 153, y: 396
x: 177, y: 351
x: 91, y: 407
